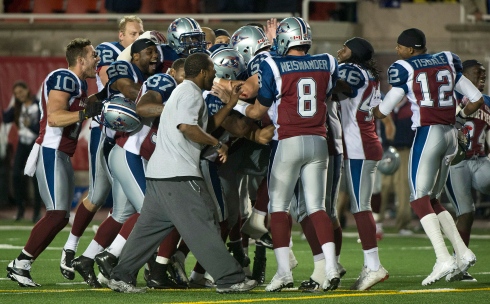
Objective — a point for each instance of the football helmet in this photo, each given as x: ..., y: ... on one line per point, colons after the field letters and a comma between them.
x: 248, y: 40
x: 292, y: 31
x: 185, y: 36
x: 390, y: 161
x: 119, y: 114
x: 228, y: 63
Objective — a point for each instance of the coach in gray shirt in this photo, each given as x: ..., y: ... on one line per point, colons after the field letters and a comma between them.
x: 176, y: 194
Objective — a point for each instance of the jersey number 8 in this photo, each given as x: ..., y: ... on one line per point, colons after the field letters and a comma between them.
x: 306, y: 97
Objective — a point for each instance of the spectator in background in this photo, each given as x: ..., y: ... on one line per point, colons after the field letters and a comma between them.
x: 210, y: 37
x: 477, y: 8
x: 222, y: 36
x: 25, y: 113
x: 126, y: 6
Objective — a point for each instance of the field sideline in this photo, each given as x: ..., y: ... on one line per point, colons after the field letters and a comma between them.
x: 408, y: 259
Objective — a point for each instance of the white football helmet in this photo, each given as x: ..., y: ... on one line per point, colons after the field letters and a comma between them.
x: 248, y: 40
x: 390, y: 161
x: 228, y: 63
x: 185, y: 36
x: 119, y: 114
x: 292, y: 31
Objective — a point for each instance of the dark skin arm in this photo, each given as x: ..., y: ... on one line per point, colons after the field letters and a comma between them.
x: 150, y: 105
x: 196, y: 134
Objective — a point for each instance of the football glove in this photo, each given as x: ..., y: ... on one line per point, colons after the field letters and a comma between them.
x: 91, y: 109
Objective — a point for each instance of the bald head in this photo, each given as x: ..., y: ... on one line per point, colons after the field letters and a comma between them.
x: 210, y: 36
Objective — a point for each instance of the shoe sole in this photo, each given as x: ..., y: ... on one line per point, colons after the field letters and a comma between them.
x: 445, y: 274
x: 67, y: 274
x: 13, y: 277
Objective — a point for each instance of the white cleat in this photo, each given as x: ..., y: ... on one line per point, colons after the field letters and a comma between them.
x: 464, y: 262
x: 441, y: 269
x: 21, y: 275
x: 279, y: 282
x: 368, y: 278
x: 102, y: 280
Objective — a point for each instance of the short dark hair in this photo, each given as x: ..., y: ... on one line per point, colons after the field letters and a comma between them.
x: 300, y: 48
x: 76, y: 48
x: 195, y: 63
x: 178, y: 64
x: 470, y: 63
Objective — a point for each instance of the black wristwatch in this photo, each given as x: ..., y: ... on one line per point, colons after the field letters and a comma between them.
x: 218, y: 145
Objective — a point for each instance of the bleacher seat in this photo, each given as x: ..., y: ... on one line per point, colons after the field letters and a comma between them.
x: 150, y: 7
x: 19, y: 6
x: 48, y: 6
x: 82, y: 7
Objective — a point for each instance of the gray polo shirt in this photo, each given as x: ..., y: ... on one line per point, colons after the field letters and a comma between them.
x: 175, y: 155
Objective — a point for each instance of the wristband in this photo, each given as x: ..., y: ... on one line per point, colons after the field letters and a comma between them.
x: 241, y: 107
x: 461, y: 114
x: 218, y: 145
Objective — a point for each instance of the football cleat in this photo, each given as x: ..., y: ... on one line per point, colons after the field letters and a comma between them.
x: 244, y: 286
x: 85, y: 267
x: 341, y: 269
x: 464, y: 262
x: 121, y: 286
x: 177, y: 271
x: 102, y: 280
x: 260, y: 263
x: 66, y: 267
x: 201, y: 283
x: 441, y: 269
x: 164, y: 282
x: 332, y: 280
x: 468, y: 278
x: 309, y: 286
x: 368, y: 278
x: 106, y: 261
x: 21, y: 275
x: 266, y: 241
x: 278, y: 283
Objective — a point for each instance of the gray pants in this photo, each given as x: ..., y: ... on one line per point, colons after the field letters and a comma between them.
x: 187, y: 206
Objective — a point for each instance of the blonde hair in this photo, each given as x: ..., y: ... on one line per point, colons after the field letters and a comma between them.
x: 124, y: 20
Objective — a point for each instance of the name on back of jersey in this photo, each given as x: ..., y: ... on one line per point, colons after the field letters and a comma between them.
x: 313, y: 64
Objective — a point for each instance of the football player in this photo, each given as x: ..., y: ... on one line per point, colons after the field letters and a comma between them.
x: 130, y: 27
x: 65, y: 106
x: 363, y: 149
x: 125, y: 79
x: 473, y: 170
x: 429, y: 81
x: 295, y: 87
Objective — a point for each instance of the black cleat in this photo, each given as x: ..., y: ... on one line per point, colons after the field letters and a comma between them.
x: 85, y: 267
x: 260, y: 263
x: 106, y: 261
x: 164, y: 282
x: 266, y: 240
x: 66, y: 264
x: 310, y: 286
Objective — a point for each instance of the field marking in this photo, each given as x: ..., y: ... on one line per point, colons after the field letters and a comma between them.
x: 336, y: 294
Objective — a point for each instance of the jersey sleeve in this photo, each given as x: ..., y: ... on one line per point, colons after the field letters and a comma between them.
x: 398, y: 76
x: 254, y: 63
x: 353, y: 76
x: 163, y: 84
x: 107, y: 55
x: 267, y: 85
x: 64, y: 81
x: 119, y: 69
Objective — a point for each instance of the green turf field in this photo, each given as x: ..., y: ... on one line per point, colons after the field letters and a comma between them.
x: 408, y: 260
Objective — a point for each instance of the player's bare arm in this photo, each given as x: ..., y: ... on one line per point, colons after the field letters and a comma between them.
x: 150, y: 104
x: 262, y: 136
x: 237, y: 126
x: 57, y: 108
x: 342, y: 86
x: 256, y: 111
x: 196, y: 134
x: 390, y: 129
x: 127, y: 87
